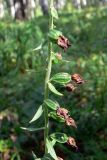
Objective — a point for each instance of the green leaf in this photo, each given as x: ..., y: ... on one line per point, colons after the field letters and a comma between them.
x: 54, y: 12
x: 59, y: 137
x: 37, y: 114
x: 38, y: 48
x: 51, y: 149
x: 55, y: 117
x: 32, y: 129
x: 61, y: 78
x: 51, y: 104
x: 53, y: 89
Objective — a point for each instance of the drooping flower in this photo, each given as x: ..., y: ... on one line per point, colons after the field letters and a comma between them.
x: 70, y: 87
x: 71, y: 142
x: 63, y: 42
x: 77, y: 78
x: 70, y: 122
x: 62, y: 112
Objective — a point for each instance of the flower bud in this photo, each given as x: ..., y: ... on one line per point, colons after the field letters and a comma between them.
x: 71, y: 142
x: 70, y: 87
x: 62, y: 112
x: 59, y: 56
x: 70, y: 122
x: 63, y: 42
x: 77, y: 78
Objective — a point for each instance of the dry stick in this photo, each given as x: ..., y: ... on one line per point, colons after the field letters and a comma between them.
x: 48, y: 72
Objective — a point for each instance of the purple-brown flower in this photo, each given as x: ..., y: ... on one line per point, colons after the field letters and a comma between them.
x: 70, y: 122
x: 63, y: 42
x: 70, y: 87
x: 77, y: 78
x: 71, y: 142
x: 62, y: 112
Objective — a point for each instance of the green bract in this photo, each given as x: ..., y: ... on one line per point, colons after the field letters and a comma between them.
x: 37, y: 114
x: 53, y: 89
x: 51, y: 104
x: 50, y: 149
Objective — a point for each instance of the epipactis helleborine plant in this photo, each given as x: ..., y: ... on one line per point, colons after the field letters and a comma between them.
x: 50, y: 108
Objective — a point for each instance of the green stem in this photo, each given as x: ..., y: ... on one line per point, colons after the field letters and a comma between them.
x: 48, y: 72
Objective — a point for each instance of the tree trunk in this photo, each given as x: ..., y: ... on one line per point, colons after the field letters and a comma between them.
x: 30, y: 8
x: 44, y: 6
x: 77, y: 3
x: 10, y: 5
x: 104, y: 2
x: 1, y: 9
x: 60, y: 4
x: 84, y: 3
x: 19, y: 9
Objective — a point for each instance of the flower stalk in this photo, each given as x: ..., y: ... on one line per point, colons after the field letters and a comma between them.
x: 48, y: 73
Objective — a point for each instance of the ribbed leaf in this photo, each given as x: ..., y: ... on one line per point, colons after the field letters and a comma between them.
x: 51, y: 104
x: 53, y: 89
x: 61, y: 78
x: 59, y: 137
x: 37, y: 114
x: 51, y: 150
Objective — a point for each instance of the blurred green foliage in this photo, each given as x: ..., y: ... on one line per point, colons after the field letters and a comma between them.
x: 21, y: 84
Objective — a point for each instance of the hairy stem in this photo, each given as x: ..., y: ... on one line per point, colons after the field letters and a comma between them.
x: 48, y: 72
